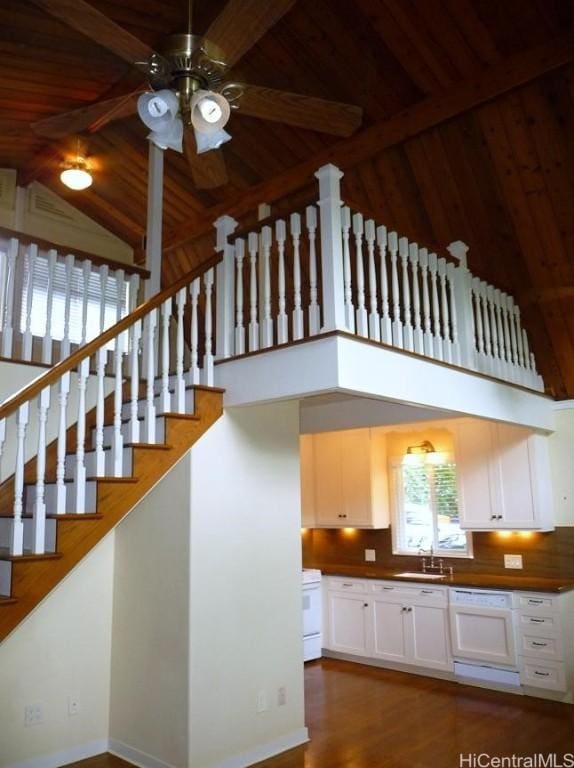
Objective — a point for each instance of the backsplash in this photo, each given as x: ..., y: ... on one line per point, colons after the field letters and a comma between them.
x: 543, y: 554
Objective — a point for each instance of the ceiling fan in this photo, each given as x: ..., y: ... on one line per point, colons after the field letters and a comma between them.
x: 189, y: 97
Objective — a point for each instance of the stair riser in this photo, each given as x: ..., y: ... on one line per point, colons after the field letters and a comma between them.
x: 5, y: 578
x: 126, y: 433
x: 50, y: 498
x: 90, y: 462
x: 49, y: 540
x: 126, y: 407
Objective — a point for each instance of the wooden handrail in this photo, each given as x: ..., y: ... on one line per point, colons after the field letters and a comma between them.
x: 54, y: 374
x: 25, y: 239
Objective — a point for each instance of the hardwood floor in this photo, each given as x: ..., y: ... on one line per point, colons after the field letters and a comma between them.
x: 363, y: 717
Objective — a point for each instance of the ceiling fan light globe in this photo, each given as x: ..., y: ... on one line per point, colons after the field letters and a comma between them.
x: 76, y: 178
x: 209, y: 111
x: 158, y: 110
x: 207, y: 141
x: 170, y: 137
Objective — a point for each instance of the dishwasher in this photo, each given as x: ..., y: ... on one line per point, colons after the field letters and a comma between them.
x: 483, y: 635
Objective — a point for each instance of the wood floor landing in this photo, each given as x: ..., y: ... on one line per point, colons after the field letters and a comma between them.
x: 363, y: 717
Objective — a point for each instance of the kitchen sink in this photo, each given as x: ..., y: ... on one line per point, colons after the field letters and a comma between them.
x: 414, y: 575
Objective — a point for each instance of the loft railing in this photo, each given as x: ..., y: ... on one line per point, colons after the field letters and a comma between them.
x: 327, y: 268
x: 153, y: 334
x: 53, y: 301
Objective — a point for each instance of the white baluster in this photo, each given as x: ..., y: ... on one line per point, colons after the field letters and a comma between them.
x: 8, y: 319
x: 122, y: 339
x: 386, y: 329
x: 32, y: 255
x: 427, y: 333
x: 347, y: 276
x: 134, y: 284
x: 493, y: 331
x: 407, y: 322
x: 374, y: 319
x: 486, y: 325
x: 528, y: 356
x: 39, y: 514
x: 397, y: 325
x: 437, y: 334
x: 17, y: 543
x: 208, y: 357
x: 451, y: 277
x: 80, y: 477
x: 239, y: 327
x: 104, y: 275
x: 86, y: 274
x: 500, y: 330
x: 253, y: 246
x: 150, y: 324
x: 281, y: 236
x: 447, y: 346
x: 267, y: 327
x: 61, y: 490
x: 361, y: 314
x: 512, y: 328
x: 297, y: 316
x: 165, y: 398
x: 519, y: 341
x: 314, y: 310
x: 47, y: 340
x: 134, y: 429
x: 506, y: 328
x: 101, y: 357
x: 65, y: 343
x: 478, y: 318
x: 194, y: 291
x: 179, y: 378
x: 418, y: 331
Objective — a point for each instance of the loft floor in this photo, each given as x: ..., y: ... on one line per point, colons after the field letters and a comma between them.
x: 363, y: 717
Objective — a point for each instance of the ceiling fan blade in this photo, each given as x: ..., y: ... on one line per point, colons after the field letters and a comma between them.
x: 299, y: 110
x: 240, y: 25
x: 93, y: 117
x: 102, y: 30
x: 208, y: 169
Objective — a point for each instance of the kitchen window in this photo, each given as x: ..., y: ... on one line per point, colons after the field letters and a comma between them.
x: 425, y: 510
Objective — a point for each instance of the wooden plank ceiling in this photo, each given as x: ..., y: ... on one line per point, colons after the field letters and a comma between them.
x: 498, y: 175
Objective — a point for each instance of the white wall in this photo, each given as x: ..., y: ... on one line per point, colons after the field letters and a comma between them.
x: 245, y: 620
x: 562, y: 464
x: 150, y: 641
x: 61, y: 649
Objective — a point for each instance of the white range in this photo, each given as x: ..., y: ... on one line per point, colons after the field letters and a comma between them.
x: 312, y: 614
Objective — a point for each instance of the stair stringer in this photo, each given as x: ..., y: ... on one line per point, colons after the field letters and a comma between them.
x: 34, y: 578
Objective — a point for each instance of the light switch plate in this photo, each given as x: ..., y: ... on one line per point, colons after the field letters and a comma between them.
x: 370, y: 555
x: 513, y: 561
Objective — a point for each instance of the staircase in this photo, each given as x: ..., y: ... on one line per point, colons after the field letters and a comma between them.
x: 77, y: 471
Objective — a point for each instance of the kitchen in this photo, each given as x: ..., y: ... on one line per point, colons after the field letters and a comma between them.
x: 442, y: 552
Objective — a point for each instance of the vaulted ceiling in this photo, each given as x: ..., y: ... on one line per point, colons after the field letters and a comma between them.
x: 468, y: 132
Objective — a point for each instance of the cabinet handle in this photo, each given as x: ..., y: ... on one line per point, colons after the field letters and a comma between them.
x: 427, y: 592
x: 541, y: 674
x: 499, y: 517
x: 389, y: 588
x: 365, y: 605
x: 533, y: 601
x: 539, y: 645
x: 409, y: 610
x: 347, y: 584
x: 493, y: 517
x: 403, y: 609
x: 343, y: 516
x: 536, y: 621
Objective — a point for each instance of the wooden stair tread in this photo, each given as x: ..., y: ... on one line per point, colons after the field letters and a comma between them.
x: 5, y: 600
x: 183, y: 416
x: 6, y: 555
x: 112, y: 479
x: 149, y: 446
x: 68, y: 516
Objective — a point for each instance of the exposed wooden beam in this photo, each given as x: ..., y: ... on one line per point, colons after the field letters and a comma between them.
x: 491, y: 83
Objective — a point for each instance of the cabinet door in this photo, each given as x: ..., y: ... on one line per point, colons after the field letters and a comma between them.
x: 474, y: 451
x: 347, y: 623
x: 356, y: 476
x: 388, y: 636
x: 329, y: 508
x: 514, y: 477
x: 307, y: 470
x: 427, y: 629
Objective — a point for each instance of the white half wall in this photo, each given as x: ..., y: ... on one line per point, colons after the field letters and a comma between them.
x: 150, y: 632
x: 245, y: 618
x: 61, y: 649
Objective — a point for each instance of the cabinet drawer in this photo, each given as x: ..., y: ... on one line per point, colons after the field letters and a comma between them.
x: 534, y: 624
x: 537, y: 647
x: 346, y: 585
x: 542, y: 603
x: 543, y: 674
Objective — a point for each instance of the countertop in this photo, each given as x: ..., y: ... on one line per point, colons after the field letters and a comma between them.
x: 477, y: 580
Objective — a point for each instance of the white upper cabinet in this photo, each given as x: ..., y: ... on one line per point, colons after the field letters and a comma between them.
x: 503, y: 477
x: 344, y: 480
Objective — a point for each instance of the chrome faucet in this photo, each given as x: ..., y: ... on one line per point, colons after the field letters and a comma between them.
x: 431, y: 566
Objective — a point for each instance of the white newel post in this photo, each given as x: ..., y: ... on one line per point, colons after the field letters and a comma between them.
x: 331, y: 248
x: 463, y: 303
x: 225, y: 289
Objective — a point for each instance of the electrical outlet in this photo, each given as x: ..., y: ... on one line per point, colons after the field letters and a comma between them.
x: 73, y: 705
x: 281, y: 696
x: 513, y: 561
x: 33, y: 714
x: 261, y: 701
x: 370, y: 555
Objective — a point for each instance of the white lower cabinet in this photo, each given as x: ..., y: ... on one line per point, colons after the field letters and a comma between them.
x: 405, y: 624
